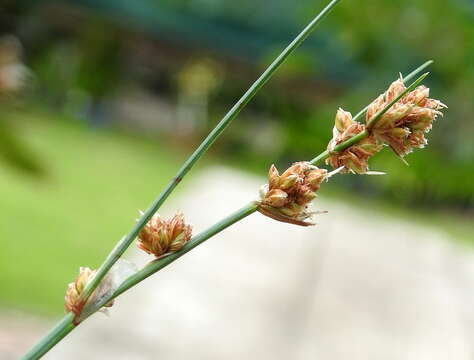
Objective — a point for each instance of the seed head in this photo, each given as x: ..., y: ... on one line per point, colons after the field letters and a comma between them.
x: 355, y: 158
x: 75, y: 289
x: 287, y: 197
x: 159, y: 237
x: 404, y: 125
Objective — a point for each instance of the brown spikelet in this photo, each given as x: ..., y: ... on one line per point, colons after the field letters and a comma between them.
x: 286, y: 197
x: 355, y: 158
x: 404, y: 125
x: 159, y: 237
x: 74, y: 290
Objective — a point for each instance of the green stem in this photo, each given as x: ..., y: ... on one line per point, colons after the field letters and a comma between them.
x: 342, y: 146
x: 356, y: 138
x: 236, y: 216
x: 159, y: 264
x: 125, y: 242
x: 64, y: 327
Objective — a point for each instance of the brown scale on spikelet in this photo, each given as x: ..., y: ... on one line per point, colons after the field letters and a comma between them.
x: 356, y: 157
x: 159, y: 237
x: 286, y: 197
x: 404, y: 125
x: 75, y: 289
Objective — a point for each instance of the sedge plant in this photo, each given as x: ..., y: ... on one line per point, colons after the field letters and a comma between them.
x: 398, y: 118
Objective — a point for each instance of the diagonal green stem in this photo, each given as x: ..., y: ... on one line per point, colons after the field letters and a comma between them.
x: 356, y: 138
x: 67, y: 324
x: 62, y: 328
x: 159, y: 264
x: 60, y: 331
x: 125, y: 242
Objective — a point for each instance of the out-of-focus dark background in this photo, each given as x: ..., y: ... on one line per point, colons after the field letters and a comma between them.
x: 100, y: 102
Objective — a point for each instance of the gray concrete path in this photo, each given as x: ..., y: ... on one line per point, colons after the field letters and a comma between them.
x: 358, y: 286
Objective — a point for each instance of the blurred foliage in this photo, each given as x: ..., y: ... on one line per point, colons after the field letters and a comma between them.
x: 13, y: 150
x: 83, y: 51
x: 50, y: 228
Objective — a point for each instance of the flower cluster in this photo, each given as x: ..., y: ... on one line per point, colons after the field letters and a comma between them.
x: 159, y: 237
x: 75, y: 289
x: 355, y: 158
x: 286, y: 197
x: 404, y: 125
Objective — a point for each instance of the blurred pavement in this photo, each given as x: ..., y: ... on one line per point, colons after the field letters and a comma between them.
x: 358, y: 286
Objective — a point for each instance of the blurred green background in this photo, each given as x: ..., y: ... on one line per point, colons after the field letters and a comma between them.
x: 101, y: 101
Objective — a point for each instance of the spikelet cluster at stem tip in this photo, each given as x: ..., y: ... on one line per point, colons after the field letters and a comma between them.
x: 287, y: 197
x: 402, y: 127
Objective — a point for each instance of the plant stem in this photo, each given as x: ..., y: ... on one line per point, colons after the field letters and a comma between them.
x: 344, y: 145
x: 236, y: 216
x: 405, y: 78
x: 125, y: 242
x: 159, y: 264
x: 66, y: 325
x: 250, y: 208
x: 62, y: 328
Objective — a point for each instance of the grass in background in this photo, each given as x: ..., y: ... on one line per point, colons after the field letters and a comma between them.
x: 96, y: 181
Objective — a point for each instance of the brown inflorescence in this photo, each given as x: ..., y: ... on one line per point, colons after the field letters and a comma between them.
x: 74, y: 290
x: 404, y: 125
x: 286, y: 197
x: 159, y: 237
x: 355, y: 158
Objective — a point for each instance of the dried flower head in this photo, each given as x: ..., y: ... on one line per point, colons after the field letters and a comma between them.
x: 287, y: 197
x: 159, y: 237
x: 403, y: 126
x: 74, y: 290
x: 355, y: 158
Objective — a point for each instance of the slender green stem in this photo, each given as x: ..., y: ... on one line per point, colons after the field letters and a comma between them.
x: 356, y: 138
x: 236, y: 216
x: 405, y: 78
x: 342, y: 146
x: 66, y: 325
x: 125, y: 242
x: 159, y: 264
x: 62, y: 328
